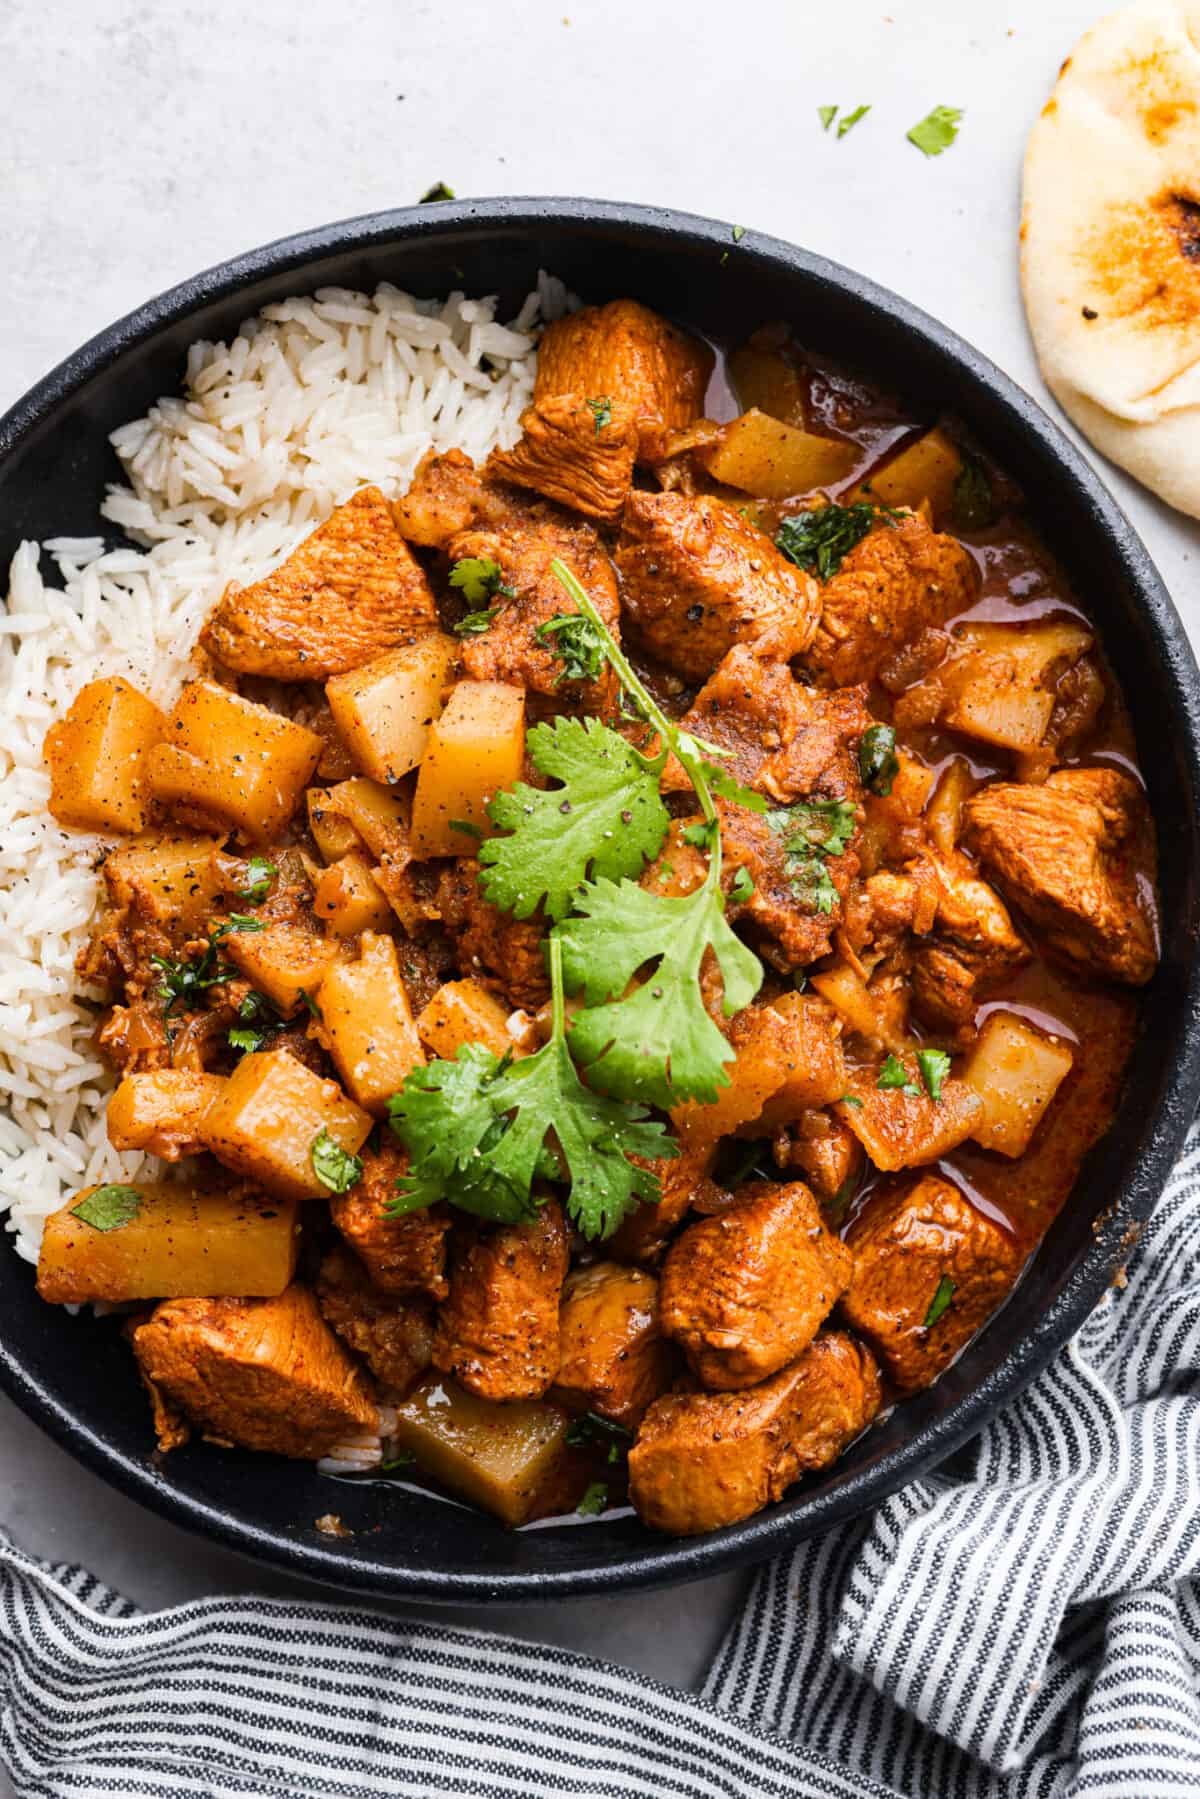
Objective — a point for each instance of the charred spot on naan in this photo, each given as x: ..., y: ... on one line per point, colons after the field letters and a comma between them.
x: 1145, y: 262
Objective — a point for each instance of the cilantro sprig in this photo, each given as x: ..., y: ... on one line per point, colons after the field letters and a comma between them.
x: 607, y: 816
x: 480, y: 1130
x: 573, y: 639
x: 658, y: 1043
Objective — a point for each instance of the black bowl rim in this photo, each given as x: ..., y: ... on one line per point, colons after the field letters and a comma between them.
x: 669, y: 1560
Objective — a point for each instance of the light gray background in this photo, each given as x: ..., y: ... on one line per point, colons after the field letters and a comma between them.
x: 142, y: 142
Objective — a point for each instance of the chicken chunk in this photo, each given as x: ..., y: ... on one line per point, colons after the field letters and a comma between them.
x: 393, y: 1335
x: 972, y: 949
x: 697, y: 578
x: 406, y: 1254
x: 929, y: 1269
x: 516, y: 648
x: 745, y: 1292
x: 266, y: 1374
x: 504, y: 952
x: 624, y: 352
x: 903, y: 1127
x: 902, y: 577
x: 448, y: 494
x: 704, y: 1460
x: 1076, y: 857
x: 645, y: 1232
x: 780, y: 737
x: 577, y: 451
x: 788, y: 1056
x: 827, y: 1154
x: 614, y: 1358
x: 498, y: 1332
x: 795, y: 906
x: 351, y: 590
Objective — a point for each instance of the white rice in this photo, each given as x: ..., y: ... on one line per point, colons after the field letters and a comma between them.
x: 313, y: 398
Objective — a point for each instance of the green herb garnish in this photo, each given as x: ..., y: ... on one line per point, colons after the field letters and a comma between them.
x: 594, y: 1501
x: 826, y: 114
x: 333, y: 1166
x: 478, y: 578
x: 851, y: 119
x: 820, y: 539
x: 259, y: 1020
x: 974, y: 500
x: 184, y: 982
x: 895, y: 1075
x: 259, y: 875
x: 878, y: 763
x: 851, y: 1099
x: 467, y: 828
x: 403, y: 1458
x: 738, y: 233
x: 439, y: 191
x: 741, y: 888
x: 109, y: 1208
x: 940, y: 1301
x: 576, y: 645
x: 935, y: 1066
x: 601, y: 411
x: 476, y: 1131
x: 936, y: 131
x: 812, y: 831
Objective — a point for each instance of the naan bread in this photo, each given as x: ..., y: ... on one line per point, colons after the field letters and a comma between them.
x: 1110, y: 259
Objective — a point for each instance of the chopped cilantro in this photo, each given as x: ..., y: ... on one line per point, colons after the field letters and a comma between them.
x: 403, y: 1458
x: 601, y: 411
x: 439, y: 191
x: 184, y: 982
x: 894, y: 1074
x: 826, y: 114
x: 109, y: 1208
x: 607, y: 816
x: 850, y: 120
x: 591, y: 1429
x: 700, y: 834
x: 738, y: 233
x: 935, y: 1066
x: 742, y: 887
x: 310, y: 1004
x: 333, y: 1166
x: 936, y: 131
x: 467, y: 828
x: 974, y: 501
x: 478, y: 578
x: 474, y: 624
x: 812, y: 831
x: 476, y: 1132
x: 594, y: 1501
x: 259, y: 1020
x: 851, y: 1099
x: 878, y: 763
x: 574, y: 641
x: 259, y: 875
x: 940, y: 1301
x: 818, y: 540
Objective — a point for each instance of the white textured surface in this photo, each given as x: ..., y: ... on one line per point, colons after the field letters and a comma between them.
x: 140, y: 142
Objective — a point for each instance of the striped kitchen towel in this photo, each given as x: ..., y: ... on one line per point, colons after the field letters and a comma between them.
x: 1026, y: 1628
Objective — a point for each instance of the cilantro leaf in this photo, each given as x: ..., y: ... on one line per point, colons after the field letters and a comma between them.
x: 940, y: 1301
x: 335, y: 1167
x: 936, y: 131
x: 259, y: 875
x: 895, y: 1074
x: 826, y: 114
x: 935, y: 1066
x: 878, y: 763
x: 439, y: 191
x: 574, y: 641
x: 851, y: 120
x: 742, y: 887
x: 108, y: 1208
x: 474, y: 624
x: 259, y: 1020
x: 733, y: 791
x: 594, y: 1501
x: 601, y: 411
x: 658, y: 1044
x: 974, y: 500
x: 476, y: 1130
x: 607, y: 815
x: 818, y: 540
x: 478, y: 578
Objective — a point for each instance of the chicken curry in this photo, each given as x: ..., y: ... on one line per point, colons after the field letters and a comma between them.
x: 620, y: 951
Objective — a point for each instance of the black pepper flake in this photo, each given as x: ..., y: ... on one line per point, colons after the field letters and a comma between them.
x: 695, y: 612
x: 1089, y: 312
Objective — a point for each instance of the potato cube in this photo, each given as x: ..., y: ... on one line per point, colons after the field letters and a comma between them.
x: 762, y: 456
x: 814, y: 1067
x: 180, y: 878
x: 348, y: 899
x: 925, y: 471
x: 1002, y: 690
x: 183, y: 1242
x: 271, y: 1113
x: 332, y: 831
x: 384, y: 709
x: 905, y: 1130
x: 1016, y: 1070
x: 284, y: 961
x: 228, y: 761
x: 161, y: 1111
x: 861, y: 1009
x: 96, y: 757
x: 378, y: 817
x: 475, y: 748
x: 496, y: 1456
x: 366, y: 1024
x: 464, y: 1012
x: 766, y: 380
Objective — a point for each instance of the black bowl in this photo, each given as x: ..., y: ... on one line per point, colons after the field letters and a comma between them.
x: 74, y: 1375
